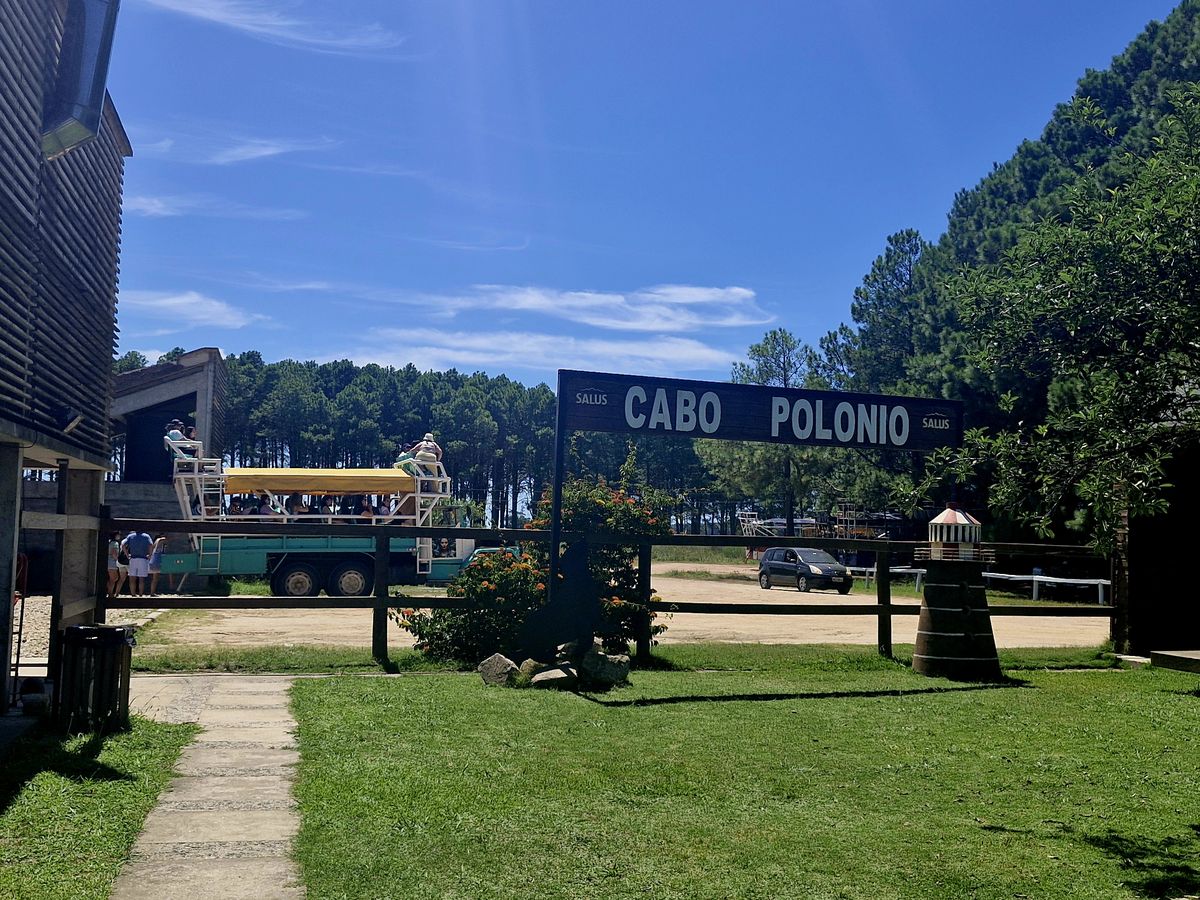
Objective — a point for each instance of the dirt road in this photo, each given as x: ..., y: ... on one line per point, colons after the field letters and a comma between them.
x: 353, y: 627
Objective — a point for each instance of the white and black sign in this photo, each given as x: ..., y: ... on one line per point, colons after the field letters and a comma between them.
x: 597, y: 401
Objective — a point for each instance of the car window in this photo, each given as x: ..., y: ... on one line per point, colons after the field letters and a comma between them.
x: 818, y: 557
x: 790, y: 557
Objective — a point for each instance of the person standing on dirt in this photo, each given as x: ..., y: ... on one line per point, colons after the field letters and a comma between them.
x: 116, y: 568
x: 156, y: 554
x: 138, y: 545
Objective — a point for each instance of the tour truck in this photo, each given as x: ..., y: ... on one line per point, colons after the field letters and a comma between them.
x: 304, y: 565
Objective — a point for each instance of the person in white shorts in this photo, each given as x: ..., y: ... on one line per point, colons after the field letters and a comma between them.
x: 138, y: 546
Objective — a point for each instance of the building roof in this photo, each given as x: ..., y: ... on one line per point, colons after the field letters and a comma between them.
x: 952, y: 515
x: 185, y: 366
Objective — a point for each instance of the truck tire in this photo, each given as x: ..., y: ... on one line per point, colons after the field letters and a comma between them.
x: 295, y: 580
x: 353, y: 578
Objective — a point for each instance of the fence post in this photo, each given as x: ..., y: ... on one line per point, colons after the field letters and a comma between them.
x: 54, y: 653
x: 883, y: 590
x: 643, y: 626
x: 102, y: 539
x: 379, y: 647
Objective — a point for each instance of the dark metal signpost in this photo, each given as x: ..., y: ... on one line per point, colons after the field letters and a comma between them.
x: 672, y: 407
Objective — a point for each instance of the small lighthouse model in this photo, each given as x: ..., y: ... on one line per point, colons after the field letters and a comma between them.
x: 954, y: 534
x: 954, y: 631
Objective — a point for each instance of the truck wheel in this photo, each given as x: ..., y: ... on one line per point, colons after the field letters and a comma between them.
x: 351, y: 579
x: 295, y: 580
x: 764, y: 581
x: 801, y: 584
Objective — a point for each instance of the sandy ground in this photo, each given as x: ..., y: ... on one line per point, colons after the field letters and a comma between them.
x: 353, y: 627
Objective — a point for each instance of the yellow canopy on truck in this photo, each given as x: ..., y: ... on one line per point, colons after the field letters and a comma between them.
x: 319, y: 481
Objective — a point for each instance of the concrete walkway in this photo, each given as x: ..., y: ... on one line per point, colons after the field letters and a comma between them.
x: 224, y: 826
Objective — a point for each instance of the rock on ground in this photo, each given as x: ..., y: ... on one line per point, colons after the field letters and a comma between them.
x: 497, y: 669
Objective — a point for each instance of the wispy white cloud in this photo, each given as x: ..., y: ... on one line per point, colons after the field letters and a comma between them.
x: 205, y: 205
x: 160, y: 147
x: 487, y: 244
x: 171, y: 311
x: 663, y: 309
x: 429, y: 348
x: 263, y: 148
x: 217, y: 143
x: 275, y: 23
x: 667, y: 308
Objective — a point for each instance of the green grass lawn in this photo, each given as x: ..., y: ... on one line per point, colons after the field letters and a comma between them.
x: 71, y: 808
x: 755, y: 772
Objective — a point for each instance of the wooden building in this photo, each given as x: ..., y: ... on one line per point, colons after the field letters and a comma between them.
x: 62, y: 157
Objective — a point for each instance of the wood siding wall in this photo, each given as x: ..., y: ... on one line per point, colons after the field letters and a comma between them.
x: 60, y: 232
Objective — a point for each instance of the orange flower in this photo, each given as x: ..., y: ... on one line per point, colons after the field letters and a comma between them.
x: 540, y: 586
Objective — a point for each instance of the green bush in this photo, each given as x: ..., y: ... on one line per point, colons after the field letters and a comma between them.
x: 502, y: 589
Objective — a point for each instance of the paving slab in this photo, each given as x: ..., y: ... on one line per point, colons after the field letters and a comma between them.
x: 235, y: 761
x: 210, y: 879
x: 276, y: 737
x: 231, y: 793
x: 170, y: 826
x: 243, y: 717
x: 222, y: 699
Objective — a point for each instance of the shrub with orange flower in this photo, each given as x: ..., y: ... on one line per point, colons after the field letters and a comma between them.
x: 501, y: 589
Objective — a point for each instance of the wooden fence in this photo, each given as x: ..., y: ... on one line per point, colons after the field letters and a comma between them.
x: 381, y: 601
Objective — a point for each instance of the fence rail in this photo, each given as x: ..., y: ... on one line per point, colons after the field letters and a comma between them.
x: 381, y: 602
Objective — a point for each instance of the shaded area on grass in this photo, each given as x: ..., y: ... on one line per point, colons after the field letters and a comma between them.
x: 44, y: 750
x: 1160, y: 868
x: 73, y: 806
x: 800, y: 695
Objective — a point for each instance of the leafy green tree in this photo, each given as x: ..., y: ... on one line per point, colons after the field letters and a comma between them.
x: 130, y: 362
x: 885, y: 310
x: 1103, y: 304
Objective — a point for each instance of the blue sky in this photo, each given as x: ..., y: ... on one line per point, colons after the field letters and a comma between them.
x: 517, y: 187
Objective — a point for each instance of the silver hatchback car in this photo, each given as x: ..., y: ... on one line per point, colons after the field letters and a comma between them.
x: 802, y: 568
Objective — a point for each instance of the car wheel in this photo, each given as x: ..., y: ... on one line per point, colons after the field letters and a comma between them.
x: 802, y: 584
x: 844, y: 589
x: 764, y: 581
x: 295, y: 580
x: 351, y: 579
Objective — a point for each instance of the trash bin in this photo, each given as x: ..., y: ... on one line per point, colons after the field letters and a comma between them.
x: 93, y: 690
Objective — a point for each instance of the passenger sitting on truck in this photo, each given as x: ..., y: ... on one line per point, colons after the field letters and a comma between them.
x: 406, y: 461
x: 267, y: 508
x: 427, y: 447
x: 175, y: 433
x: 235, y: 507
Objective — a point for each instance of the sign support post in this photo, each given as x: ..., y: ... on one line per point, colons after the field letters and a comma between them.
x: 556, y: 490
